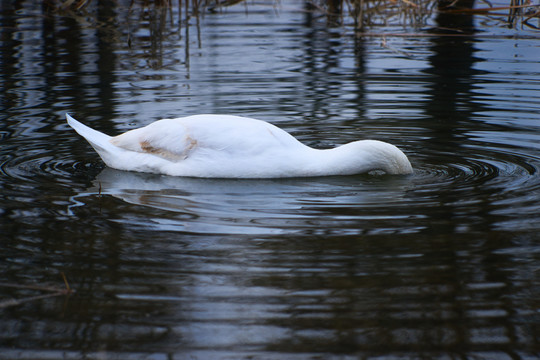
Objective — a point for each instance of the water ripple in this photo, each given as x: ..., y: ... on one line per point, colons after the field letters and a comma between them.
x: 32, y: 167
x: 496, y: 168
x: 479, y: 176
x: 318, y: 206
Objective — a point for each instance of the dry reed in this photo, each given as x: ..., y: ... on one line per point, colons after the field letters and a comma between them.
x: 357, y: 13
x: 47, y: 292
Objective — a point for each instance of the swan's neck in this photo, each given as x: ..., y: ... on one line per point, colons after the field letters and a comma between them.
x: 362, y: 157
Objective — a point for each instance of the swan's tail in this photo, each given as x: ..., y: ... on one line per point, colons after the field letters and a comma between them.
x: 99, y: 141
x: 95, y: 138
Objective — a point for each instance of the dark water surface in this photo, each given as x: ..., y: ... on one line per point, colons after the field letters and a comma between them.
x: 443, y: 264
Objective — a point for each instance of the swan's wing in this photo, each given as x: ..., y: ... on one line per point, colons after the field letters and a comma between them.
x: 178, y: 139
x: 166, y: 138
x: 238, y: 135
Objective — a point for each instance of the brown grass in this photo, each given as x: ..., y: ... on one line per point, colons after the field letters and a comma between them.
x: 46, y: 292
x: 357, y: 13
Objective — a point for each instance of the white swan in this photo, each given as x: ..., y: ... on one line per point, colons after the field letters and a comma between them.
x: 225, y: 146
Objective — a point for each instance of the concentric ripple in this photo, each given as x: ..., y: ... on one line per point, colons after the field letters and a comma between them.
x: 474, y: 171
x: 482, y: 183
x: 476, y: 181
x: 37, y: 164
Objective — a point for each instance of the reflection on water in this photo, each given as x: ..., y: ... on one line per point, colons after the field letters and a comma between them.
x: 261, y: 207
x: 440, y: 264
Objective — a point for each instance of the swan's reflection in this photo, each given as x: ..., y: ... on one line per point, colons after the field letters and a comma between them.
x: 243, y: 206
x: 175, y: 193
x: 218, y: 205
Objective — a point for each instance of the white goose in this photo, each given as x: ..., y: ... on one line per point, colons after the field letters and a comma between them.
x: 225, y: 146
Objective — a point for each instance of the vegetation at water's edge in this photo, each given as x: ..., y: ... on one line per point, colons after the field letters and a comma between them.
x: 360, y: 14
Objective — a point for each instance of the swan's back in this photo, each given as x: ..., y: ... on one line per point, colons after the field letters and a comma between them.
x: 186, y: 137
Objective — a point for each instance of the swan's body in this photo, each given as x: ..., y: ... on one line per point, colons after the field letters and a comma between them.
x: 235, y: 147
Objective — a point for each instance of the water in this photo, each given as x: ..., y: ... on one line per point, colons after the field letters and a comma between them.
x: 442, y: 264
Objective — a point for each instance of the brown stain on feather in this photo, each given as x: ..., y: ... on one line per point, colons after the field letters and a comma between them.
x: 148, y: 148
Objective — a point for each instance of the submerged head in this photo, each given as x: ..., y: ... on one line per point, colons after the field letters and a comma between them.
x: 387, y: 157
x: 371, y: 155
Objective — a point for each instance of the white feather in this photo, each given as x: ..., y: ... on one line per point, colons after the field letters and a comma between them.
x: 235, y: 147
